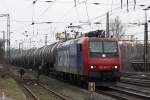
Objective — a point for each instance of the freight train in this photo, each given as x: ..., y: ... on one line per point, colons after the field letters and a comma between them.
x: 90, y: 58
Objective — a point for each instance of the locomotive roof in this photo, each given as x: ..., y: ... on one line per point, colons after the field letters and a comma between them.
x: 80, y: 40
x: 103, y: 39
x: 63, y: 44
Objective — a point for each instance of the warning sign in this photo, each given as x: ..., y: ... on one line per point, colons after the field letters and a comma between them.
x: 91, y: 86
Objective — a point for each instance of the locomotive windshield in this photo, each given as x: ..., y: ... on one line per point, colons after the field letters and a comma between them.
x: 96, y: 48
x: 110, y: 47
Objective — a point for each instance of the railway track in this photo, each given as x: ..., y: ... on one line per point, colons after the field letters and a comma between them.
x: 53, y: 92
x: 139, y: 92
x: 129, y: 93
x: 27, y: 85
x: 132, y: 92
x: 111, y: 94
x: 30, y: 93
x: 145, y: 77
x: 117, y: 92
x: 124, y: 93
x: 135, y: 73
x: 136, y: 78
x: 139, y: 81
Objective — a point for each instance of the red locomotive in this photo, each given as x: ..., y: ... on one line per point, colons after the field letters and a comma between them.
x: 85, y: 59
x: 90, y: 59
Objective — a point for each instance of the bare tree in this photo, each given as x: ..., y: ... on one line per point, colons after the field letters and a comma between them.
x: 117, y: 28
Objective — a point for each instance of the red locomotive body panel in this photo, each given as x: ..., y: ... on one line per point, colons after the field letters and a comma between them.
x: 104, y: 63
x: 101, y: 63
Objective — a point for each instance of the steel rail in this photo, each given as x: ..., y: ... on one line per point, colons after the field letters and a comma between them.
x: 128, y: 92
x: 119, y: 97
x: 135, y: 90
x: 136, y: 83
x: 33, y: 95
x: 57, y: 94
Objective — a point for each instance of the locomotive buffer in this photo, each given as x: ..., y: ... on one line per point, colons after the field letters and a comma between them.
x: 91, y: 88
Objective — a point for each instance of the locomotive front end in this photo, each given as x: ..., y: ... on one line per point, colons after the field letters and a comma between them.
x: 104, y: 61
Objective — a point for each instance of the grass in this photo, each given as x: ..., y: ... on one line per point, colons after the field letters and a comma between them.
x: 11, y: 89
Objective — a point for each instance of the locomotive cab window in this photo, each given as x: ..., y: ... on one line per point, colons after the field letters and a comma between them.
x: 97, y: 48
x: 110, y: 47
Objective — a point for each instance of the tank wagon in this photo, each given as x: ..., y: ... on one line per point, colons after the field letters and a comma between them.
x: 85, y: 59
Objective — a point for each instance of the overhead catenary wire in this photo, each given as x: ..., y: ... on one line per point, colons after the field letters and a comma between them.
x: 88, y: 17
x: 78, y: 3
x: 52, y: 3
x: 73, y: 7
x: 78, y: 18
x: 33, y: 23
x: 84, y: 24
x: 104, y: 15
x: 14, y: 20
x: 112, y: 12
x: 76, y: 10
x: 10, y: 12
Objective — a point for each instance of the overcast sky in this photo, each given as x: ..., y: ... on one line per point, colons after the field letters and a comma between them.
x: 63, y: 12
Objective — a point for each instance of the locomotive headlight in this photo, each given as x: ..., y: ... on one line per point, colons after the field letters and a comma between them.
x: 92, y: 67
x: 103, y: 55
x: 116, y: 67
